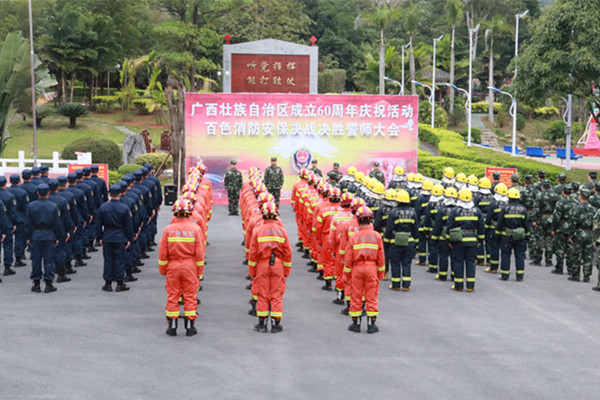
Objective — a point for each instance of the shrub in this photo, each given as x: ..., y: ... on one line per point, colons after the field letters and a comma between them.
x: 457, y: 116
x: 520, y: 122
x: 114, y: 177
x: 441, y: 117
x: 105, y: 104
x: 155, y: 159
x: 555, y: 131
x: 483, y: 107
x: 545, y: 112
x: 503, y: 118
x: 72, y: 111
x: 143, y: 106
x: 524, y: 110
x: 128, y: 168
x: 475, y: 135
x: 332, y: 81
x: 103, y: 151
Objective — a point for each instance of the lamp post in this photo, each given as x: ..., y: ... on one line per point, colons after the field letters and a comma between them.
x: 513, y: 113
x: 396, y: 83
x: 31, y: 61
x: 518, y: 17
x: 467, y: 103
x: 567, y: 118
x: 472, y: 50
x: 433, y: 81
x: 403, y: 50
x: 430, y: 97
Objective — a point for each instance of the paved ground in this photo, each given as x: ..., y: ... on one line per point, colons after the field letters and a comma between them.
x: 532, y: 340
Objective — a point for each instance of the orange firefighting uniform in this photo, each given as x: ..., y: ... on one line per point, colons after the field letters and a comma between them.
x: 269, y: 280
x: 347, y: 229
x: 365, y: 263
x: 324, y: 219
x: 181, y: 259
x: 334, y: 243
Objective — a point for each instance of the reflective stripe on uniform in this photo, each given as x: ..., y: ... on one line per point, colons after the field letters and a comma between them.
x: 467, y: 218
x: 160, y: 262
x: 277, y: 239
x: 252, y: 263
x: 365, y: 246
x: 199, y: 263
x: 404, y: 220
x: 181, y: 239
x: 287, y: 264
x: 172, y: 313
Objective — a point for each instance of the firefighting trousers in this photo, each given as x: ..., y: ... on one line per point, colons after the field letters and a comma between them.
x: 269, y: 286
x: 42, y: 250
x: 519, y: 247
x: 114, y: 261
x: 182, y: 280
x: 463, y: 260
x: 444, y: 253
x: 364, y: 284
x: 401, y: 259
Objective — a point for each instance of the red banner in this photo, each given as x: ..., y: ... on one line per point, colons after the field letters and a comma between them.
x: 270, y: 73
x: 505, y: 174
x: 102, y: 170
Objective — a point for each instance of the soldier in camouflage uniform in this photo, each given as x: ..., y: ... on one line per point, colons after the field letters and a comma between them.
x: 561, y: 179
x: 336, y: 171
x: 274, y: 179
x: 315, y: 169
x: 591, y: 183
x: 582, y: 220
x: 595, y: 198
x: 233, y: 183
x: 542, y: 224
x: 514, y: 182
x: 495, y: 180
x: 541, y: 176
x: 575, y: 195
x: 596, y: 235
x: 561, y: 229
x: 376, y: 173
x: 528, y: 199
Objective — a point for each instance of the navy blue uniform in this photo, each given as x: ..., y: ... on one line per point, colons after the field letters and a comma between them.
x: 402, y: 219
x: 483, y: 201
x: 115, y: 229
x: 380, y: 223
x: 10, y: 203
x: 84, y: 215
x: 20, y: 240
x: 438, y: 234
x: 44, y: 228
x: 491, y: 237
x: 429, y: 216
x: 60, y: 252
x: 512, y: 216
x: 464, y: 252
x: 422, y: 246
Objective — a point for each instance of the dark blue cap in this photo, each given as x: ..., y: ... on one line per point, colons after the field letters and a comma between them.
x: 145, y: 171
x: 79, y: 173
x: 2, y: 181
x: 129, y: 175
x: 52, y: 184
x: 138, y: 175
x: 62, y: 180
x: 26, y: 173
x: 127, y: 179
x: 35, y: 171
x: 15, y: 178
x: 148, y: 165
x: 87, y: 171
x: 43, y: 189
x: 43, y: 168
x: 94, y: 168
x: 124, y: 186
x: 115, y: 190
x: 72, y: 177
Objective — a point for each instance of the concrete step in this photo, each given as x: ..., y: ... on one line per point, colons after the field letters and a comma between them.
x: 488, y: 137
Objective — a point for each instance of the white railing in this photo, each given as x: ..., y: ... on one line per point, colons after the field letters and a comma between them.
x: 56, y: 165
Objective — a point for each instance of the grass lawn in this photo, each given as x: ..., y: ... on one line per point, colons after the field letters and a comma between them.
x: 54, y: 134
x: 531, y: 135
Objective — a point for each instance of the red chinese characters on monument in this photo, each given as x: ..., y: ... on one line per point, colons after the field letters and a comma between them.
x: 270, y: 73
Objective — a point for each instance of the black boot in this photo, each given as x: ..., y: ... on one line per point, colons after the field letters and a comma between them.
x: 85, y: 256
x: 306, y: 254
x: 320, y: 277
x: 36, y: 286
x: 355, y: 326
x: 19, y: 262
x: 260, y: 327
x: 62, y: 278
x: 79, y: 262
x: 130, y: 277
x: 249, y: 286
x: 49, y: 286
x: 121, y: 287
x: 275, y: 325
x: 69, y: 269
x: 136, y: 270
x: 190, y: 329
x: 107, y: 286
x: 299, y: 244
x: 138, y: 263
x: 327, y: 285
x: 171, y: 326
x: 340, y: 297
x: 92, y: 249
x: 143, y: 255
x: 313, y: 267
x: 252, y: 311
x: 245, y: 262
x: 8, y: 271
x: 371, y: 327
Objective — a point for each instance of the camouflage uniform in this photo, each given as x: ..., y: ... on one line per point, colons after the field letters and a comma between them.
x: 528, y: 200
x: 543, y: 208
x: 274, y: 181
x: 582, y: 221
x: 596, y: 237
x: 562, y: 226
x: 377, y: 174
x: 233, y: 184
x: 316, y: 171
x: 595, y: 198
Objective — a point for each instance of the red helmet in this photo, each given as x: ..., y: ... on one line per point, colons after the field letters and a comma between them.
x: 260, y: 188
x: 335, y: 193
x: 357, y: 202
x: 269, y: 210
x: 202, y: 168
x: 364, y: 212
x: 264, y: 197
x: 346, y: 200
x: 190, y: 196
x: 182, y: 206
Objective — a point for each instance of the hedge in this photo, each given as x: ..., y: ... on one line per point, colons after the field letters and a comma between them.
x: 114, y: 177
x: 483, y: 107
x: 545, y: 112
x: 155, y: 159
x: 332, y: 81
x: 103, y: 151
x: 129, y: 169
x: 441, y: 116
x: 143, y: 106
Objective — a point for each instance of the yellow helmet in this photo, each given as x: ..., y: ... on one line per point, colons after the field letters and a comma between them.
x: 398, y: 170
x: 501, y: 189
x: 378, y: 187
x: 485, y: 183
x: 461, y: 177
x: 419, y: 178
x: 410, y: 177
x: 513, y: 193
x: 365, y: 180
x: 402, y: 196
x: 437, y: 190
x: 427, y: 184
x: 450, y: 192
x: 371, y: 183
x: 449, y: 172
x: 472, y: 180
x: 352, y: 171
x: 465, y: 194
x: 390, y: 194
x: 358, y: 176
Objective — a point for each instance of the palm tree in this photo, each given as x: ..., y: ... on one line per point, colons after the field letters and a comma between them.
x: 454, y: 13
x: 496, y: 27
x: 413, y: 15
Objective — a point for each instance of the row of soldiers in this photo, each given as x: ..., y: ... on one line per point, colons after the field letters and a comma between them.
x: 71, y: 218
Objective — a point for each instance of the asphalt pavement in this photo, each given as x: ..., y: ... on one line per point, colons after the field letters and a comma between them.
x: 536, y: 339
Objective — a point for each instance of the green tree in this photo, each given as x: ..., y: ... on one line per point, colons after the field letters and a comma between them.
x: 454, y: 14
x: 414, y: 14
x: 497, y: 27
x: 563, y: 56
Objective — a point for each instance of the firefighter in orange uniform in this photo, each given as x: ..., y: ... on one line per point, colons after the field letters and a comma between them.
x: 269, y: 262
x: 365, y: 263
x: 181, y: 259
